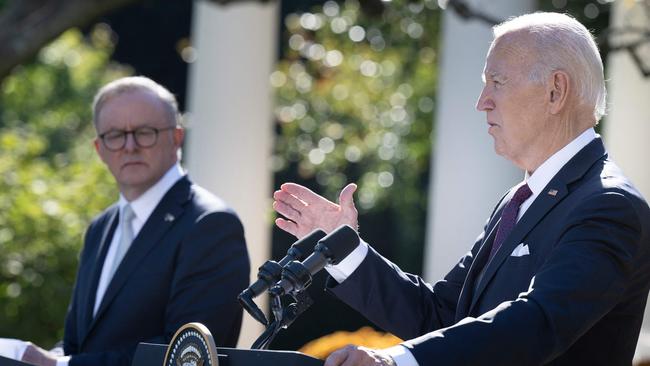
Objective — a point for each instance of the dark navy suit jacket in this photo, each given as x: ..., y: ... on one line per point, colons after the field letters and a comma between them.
x: 577, y: 299
x: 187, y: 264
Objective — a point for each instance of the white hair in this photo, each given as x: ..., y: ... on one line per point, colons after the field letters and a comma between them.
x: 136, y: 83
x: 563, y: 43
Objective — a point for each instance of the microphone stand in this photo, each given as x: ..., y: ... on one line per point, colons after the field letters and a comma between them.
x: 297, y: 276
x: 284, y: 316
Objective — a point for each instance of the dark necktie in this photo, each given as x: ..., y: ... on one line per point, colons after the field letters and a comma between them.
x: 509, y: 217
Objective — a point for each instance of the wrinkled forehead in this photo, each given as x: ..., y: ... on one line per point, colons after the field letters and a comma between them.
x: 133, y: 107
x: 510, y: 53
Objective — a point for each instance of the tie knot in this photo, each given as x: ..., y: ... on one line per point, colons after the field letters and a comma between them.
x: 522, y: 194
x: 127, y: 214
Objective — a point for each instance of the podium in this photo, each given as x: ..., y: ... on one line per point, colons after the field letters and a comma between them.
x: 4, y: 361
x: 151, y: 354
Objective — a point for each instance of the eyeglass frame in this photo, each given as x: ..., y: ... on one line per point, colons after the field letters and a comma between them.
x: 126, y: 133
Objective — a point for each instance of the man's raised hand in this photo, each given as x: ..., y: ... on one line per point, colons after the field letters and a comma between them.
x: 305, y: 211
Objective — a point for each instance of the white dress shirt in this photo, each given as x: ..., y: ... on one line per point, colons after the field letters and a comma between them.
x: 549, y: 168
x: 536, y: 182
x: 142, y: 207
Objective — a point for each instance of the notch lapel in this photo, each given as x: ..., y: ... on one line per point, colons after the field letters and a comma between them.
x: 540, y: 207
x: 462, y: 310
x: 575, y: 169
x: 149, y: 236
x: 90, y: 290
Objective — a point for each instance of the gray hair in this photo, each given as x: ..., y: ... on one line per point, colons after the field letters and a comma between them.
x: 563, y: 43
x: 136, y: 83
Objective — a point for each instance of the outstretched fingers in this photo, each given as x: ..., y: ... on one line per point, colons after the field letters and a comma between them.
x: 303, y: 194
x: 288, y: 226
x: 286, y: 210
x: 303, y: 210
x: 289, y: 199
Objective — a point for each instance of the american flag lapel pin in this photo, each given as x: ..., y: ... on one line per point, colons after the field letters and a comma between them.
x: 169, y: 217
x: 552, y: 192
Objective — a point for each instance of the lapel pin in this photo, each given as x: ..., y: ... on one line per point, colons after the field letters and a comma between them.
x: 169, y: 217
x: 552, y: 192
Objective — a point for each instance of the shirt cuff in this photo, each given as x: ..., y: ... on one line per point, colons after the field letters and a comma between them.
x: 401, y: 355
x: 12, y: 348
x: 350, y: 263
x: 63, y: 361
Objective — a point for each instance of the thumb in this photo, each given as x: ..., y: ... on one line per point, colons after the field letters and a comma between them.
x: 346, y: 197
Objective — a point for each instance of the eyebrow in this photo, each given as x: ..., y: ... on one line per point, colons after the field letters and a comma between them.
x: 493, y: 75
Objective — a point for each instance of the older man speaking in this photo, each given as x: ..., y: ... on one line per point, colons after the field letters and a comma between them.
x: 560, y: 273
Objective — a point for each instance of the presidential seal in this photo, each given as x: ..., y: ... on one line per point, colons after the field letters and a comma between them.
x: 192, y: 345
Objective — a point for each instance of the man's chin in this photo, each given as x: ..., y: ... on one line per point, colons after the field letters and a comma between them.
x: 499, y: 150
x: 133, y: 178
x: 135, y: 186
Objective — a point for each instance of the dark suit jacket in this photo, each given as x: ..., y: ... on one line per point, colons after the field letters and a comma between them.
x: 187, y: 264
x: 577, y: 299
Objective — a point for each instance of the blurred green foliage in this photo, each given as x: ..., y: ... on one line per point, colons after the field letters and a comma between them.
x: 51, y: 181
x: 594, y: 14
x: 355, y: 99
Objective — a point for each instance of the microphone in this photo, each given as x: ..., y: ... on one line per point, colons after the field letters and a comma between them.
x: 332, y: 249
x: 271, y: 271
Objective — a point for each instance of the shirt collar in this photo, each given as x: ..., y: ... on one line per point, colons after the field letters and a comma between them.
x: 144, y: 205
x: 543, y: 175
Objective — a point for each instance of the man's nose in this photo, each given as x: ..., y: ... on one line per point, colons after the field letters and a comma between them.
x: 129, y: 144
x: 484, y: 102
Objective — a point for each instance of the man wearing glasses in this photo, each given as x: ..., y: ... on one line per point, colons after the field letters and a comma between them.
x: 167, y: 253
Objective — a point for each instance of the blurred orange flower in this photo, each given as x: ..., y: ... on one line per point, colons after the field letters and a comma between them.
x: 366, y: 336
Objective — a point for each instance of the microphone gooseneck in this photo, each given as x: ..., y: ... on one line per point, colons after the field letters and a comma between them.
x: 271, y: 272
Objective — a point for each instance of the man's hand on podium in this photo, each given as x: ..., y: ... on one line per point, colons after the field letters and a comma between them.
x: 359, y: 356
x: 38, y: 356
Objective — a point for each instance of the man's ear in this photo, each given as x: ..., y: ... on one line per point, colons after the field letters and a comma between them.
x: 97, y: 143
x: 179, y: 136
x: 558, y: 90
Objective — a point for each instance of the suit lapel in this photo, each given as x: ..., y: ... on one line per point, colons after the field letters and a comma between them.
x: 96, y: 268
x: 575, y: 169
x: 542, y: 205
x: 164, y: 216
x: 477, y: 265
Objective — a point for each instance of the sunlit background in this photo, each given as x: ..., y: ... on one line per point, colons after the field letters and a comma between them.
x: 320, y: 93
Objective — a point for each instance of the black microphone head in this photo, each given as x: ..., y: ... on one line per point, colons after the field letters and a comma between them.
x: 303, y: 247
x: 338, y: 244
x: 246, y: 301
x: 296, y: 276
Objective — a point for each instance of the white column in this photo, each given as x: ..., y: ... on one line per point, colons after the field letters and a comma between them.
x: 467, y: 177
x: 626, y: 127
x: 230, y: 125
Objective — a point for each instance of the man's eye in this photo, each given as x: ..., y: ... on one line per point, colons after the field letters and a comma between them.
x: 114, y: 135
x: 145, y: 132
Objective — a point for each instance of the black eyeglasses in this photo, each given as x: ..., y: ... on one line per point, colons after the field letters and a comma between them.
x: 115, y: 140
